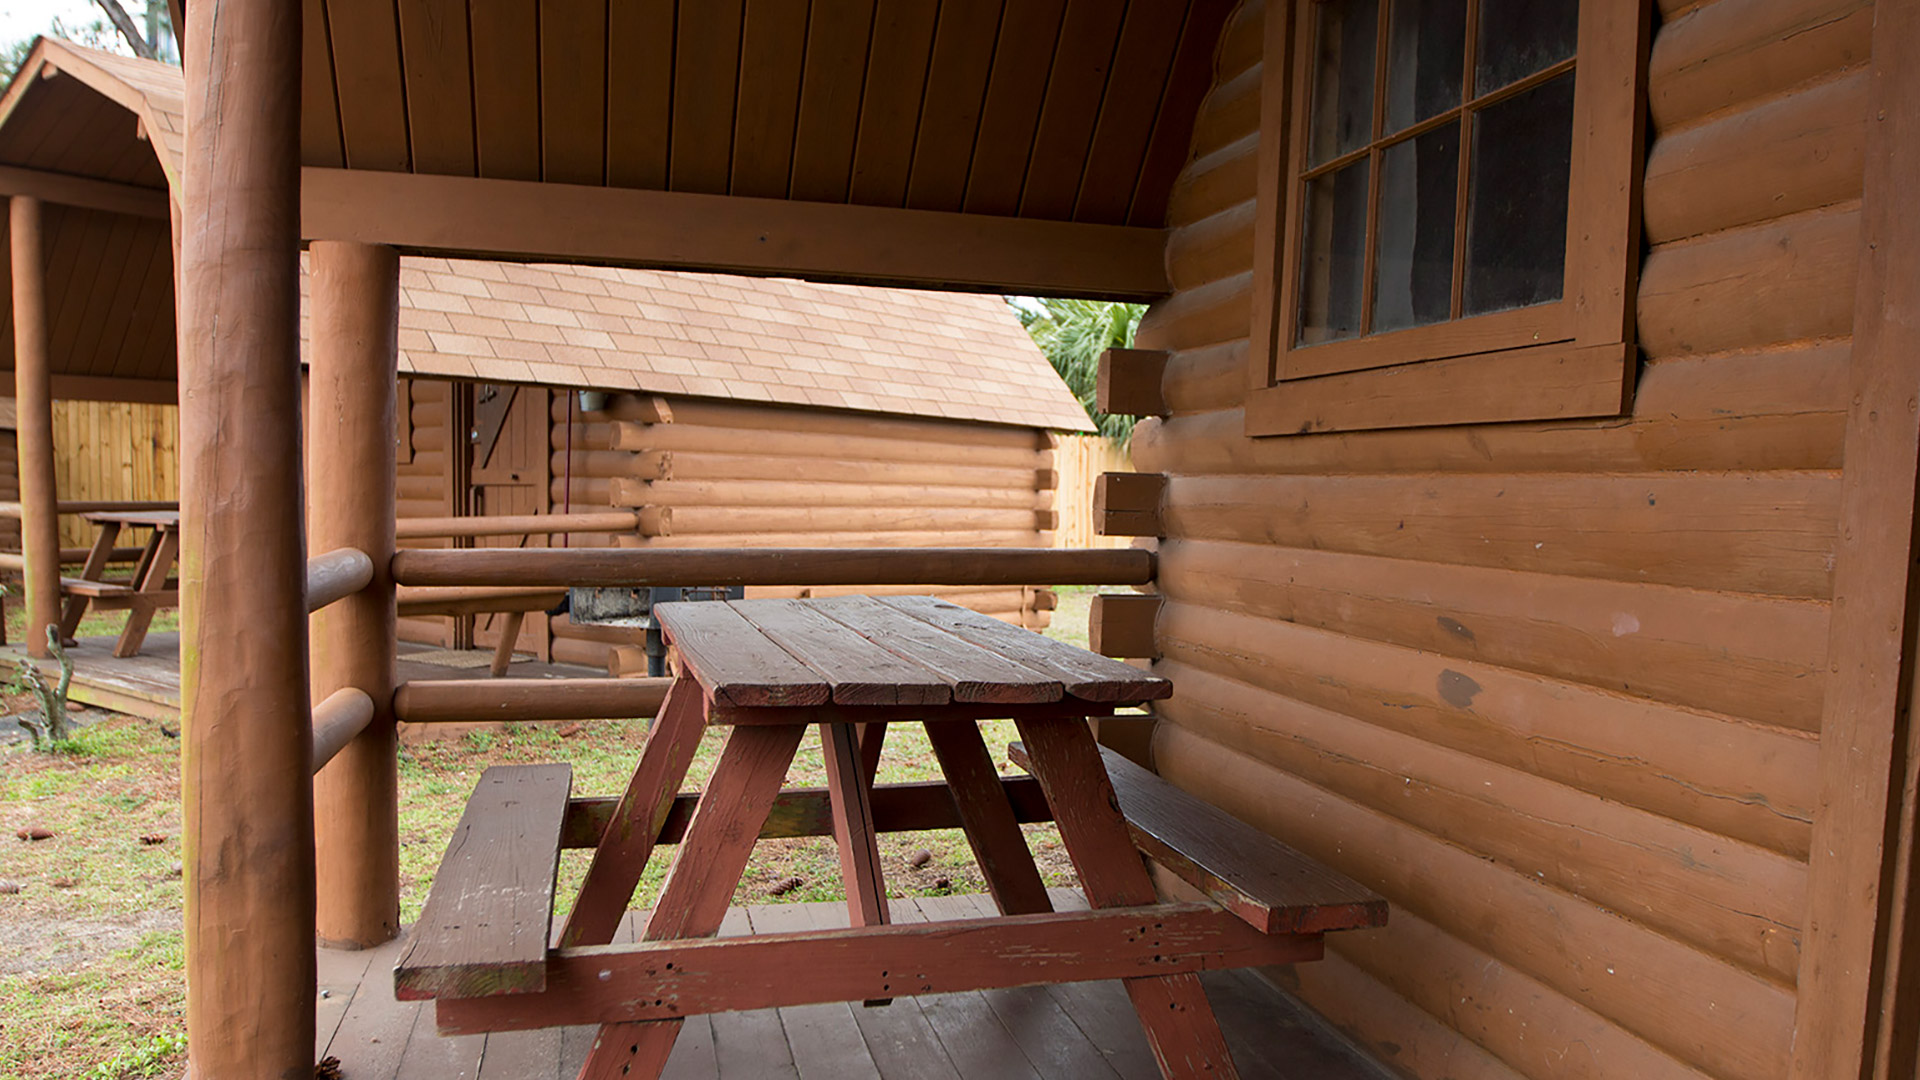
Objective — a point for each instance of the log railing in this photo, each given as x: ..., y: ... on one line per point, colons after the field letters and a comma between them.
x: 98, y: 506
x: 344, y: 714
x: 634, y: 567
x: 337, y: 574
x: 468, y: 701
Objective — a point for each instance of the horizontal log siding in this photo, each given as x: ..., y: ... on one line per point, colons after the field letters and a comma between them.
x: 1553, y: 688
x: 725, y: 474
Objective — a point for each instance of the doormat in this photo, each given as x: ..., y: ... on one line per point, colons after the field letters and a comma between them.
x: 463, y: 659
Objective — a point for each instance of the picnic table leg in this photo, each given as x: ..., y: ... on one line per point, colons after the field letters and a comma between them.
x: 719, y: 839
x: 850, y: 798
x: 1179, y: 1022
x: 94, y: 570
x: 509, y: 637
x: 873, y: 737
x: 987, y: 817
x: 159, y: 563
x: 627, y: 844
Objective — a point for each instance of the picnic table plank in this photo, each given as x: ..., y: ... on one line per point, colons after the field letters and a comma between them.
x: 1083, y: 674
x: 486, y: 923
x: 734, y: 662
x: 859, y: 671
x: 975, y: 674
x: 155, y: 519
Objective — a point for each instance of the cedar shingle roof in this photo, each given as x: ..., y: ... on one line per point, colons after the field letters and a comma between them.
x: 947, y: 355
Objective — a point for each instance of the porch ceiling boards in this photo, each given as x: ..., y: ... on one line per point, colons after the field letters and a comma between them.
x: 1058, y: 110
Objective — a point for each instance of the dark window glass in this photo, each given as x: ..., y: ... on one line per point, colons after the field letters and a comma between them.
x: 1426, y: 43
x: 1333, y: 266
x: 1520, y: 37
x: 1413, y: 268
x: 1344, y: 42
x: 1517, y: 199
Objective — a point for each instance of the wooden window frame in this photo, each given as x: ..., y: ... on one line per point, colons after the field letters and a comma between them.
x: 1573, y: 357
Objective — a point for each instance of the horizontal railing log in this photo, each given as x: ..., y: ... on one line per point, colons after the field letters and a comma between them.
x: 470, y: 701
x: 475, y: 599
x: 344, y: 714
x: 336, y: 574
x: 96, y: 506
x: 605, y: 521
x: 633, y: 567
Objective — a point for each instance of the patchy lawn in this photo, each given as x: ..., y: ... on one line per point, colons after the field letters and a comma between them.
x: 91, y: 953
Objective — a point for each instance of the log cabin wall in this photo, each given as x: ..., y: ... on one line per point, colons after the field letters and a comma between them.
x: 709, y: 473
x: 1552, y: 688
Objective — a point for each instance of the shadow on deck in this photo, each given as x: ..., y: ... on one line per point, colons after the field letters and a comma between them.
x: 148, y: 685
x: 1071, y: 1032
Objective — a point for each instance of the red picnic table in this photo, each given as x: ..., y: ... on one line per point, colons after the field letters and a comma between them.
x: 146, y: 592
x: 770, y: 669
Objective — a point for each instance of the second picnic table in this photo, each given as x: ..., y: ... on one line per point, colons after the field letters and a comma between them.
x: 145, y: 593
x: 768, y: 670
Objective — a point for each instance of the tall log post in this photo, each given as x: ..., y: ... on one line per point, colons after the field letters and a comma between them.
x: 355, y: 293
x: 246, y: 743
x: 33, y: 397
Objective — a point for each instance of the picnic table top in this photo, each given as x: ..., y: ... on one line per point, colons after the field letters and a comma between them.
x: 159, y: 519
x: 887, y: 651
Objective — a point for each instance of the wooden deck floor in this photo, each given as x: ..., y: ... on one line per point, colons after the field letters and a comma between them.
x: 148, y: 685
x: 1084, y: 1031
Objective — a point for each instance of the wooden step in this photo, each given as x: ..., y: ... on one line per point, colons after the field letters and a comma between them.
x: 73, y: 586
x: 489, y: 917
x: 1270, y: 885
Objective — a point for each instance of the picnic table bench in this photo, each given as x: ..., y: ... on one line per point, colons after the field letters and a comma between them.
x: 149, y: 589
x: 769, y: 669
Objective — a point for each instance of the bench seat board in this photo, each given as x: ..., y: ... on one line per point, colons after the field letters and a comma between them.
x: 488, y: 919
x: 1270, y: 885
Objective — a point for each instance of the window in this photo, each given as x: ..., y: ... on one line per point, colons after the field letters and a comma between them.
x: 1449, y: 228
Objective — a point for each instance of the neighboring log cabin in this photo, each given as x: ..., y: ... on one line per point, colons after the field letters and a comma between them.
x: 1532, y: 456
x: 722, y: 412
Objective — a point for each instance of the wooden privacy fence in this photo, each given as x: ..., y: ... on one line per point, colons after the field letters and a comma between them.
x: 1080, y: 459
x: 111, y: 451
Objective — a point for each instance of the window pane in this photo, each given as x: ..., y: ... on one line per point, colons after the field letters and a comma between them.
x: 1413, y: 269
x: 1344, y: 41
x: 1517, y: 199
x: 1520, y: 37
x: 1426, y: 42
x: 1333, y: 266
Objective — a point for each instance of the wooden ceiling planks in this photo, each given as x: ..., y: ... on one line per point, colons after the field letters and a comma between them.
x: 831, y: 85
x: 1029, y: 32
x: 1060, y: 109
x: 320, y: 127
x: 706, y: 79
x: 435, y: 61
x: 573, y: 91
x: 764, y: 119
x: 963, y: 58
x: 890, y: 107
x: 505, y: 36
x: 640, y: 48
x: 1078, y: 81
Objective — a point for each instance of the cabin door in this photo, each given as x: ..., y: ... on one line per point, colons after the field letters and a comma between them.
x: 509, y: 477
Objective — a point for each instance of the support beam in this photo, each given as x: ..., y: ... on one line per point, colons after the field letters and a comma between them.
x: 33, y: 393
x: 246, y: 740
x: 336, y: 721
x: 478, y: 701
x: 84, y: 192
x: 351, y: 405
x: 634, y: 567
x: 1128, y: 504
x: 337, y: 574
x: 535, y: 222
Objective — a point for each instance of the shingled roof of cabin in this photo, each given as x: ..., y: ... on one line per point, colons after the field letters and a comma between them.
x: 947, y: 355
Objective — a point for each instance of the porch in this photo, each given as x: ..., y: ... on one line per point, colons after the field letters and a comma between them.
x: 1073, y: 1031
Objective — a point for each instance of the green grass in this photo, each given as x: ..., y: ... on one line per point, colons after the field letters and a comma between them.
x: 91, y: 952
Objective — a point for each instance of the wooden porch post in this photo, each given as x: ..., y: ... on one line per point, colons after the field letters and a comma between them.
x: 355, y: 290
x: 246, y: 745
x: 33, y: 397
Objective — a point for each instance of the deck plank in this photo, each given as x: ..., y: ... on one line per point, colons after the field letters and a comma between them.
x: 374, y: 1033
x: 512, y: 1055
x: 431, y: 1057
x: 901, y: 1042
x: 751, y: 1043
x: 976, y: 1040
x: 823, y: 1040
x: 341, y: 972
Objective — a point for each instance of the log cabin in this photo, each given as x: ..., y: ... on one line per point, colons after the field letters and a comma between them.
x: 1536, y: 444
x: 860, y: 382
